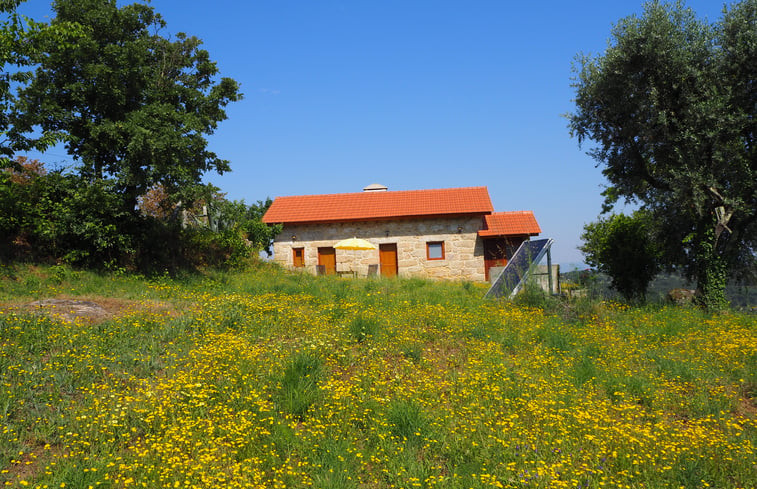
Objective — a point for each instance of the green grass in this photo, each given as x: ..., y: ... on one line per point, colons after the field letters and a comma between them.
x: 408, y: 423
x: 263, y: 378
x: 299, y: 384
x: 363, y: 328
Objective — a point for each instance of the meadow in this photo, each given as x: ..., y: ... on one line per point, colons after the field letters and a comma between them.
x: 267, y: 379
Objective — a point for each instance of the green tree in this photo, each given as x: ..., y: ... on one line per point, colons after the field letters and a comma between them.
x: 50, y: 216
x: 227, y: 233
x: 623, y: 247
x: 20, y: 42
x: 134, y: 106
x: 234, y: 215
x: 261, y: 235
x: 671, y: 107
x: 15, y: 53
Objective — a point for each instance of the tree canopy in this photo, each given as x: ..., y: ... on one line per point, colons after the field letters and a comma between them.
x: 671, y: 107
x: 134, y: 108
x: 624, y: 248
x: 14, y: 53
x: 133, y: 105
x: 21, y: 41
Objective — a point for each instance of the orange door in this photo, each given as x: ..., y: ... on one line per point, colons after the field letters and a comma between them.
x: 388, y: 259
x: 298, y: 257
x: 327, y: 258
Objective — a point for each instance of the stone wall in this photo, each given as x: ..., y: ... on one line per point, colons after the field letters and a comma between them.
x: 464, y: 253
x: 540, y: 277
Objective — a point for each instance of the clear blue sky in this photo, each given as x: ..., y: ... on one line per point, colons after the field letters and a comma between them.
x: 410, y: 94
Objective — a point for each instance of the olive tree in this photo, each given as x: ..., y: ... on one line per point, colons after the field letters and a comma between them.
x: 670, y: 107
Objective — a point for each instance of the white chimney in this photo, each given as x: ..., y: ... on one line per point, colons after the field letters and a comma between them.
x: 375, y: 187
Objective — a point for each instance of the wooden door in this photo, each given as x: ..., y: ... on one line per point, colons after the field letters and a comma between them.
x: 388, y: 259
x: 327, y: 258
x: 298, y: 257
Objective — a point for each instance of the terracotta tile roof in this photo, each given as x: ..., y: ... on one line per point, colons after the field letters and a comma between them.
x: 379, y: 205
x: 510, y: 223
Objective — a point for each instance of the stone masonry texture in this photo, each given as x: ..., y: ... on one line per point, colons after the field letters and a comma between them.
x: 464, y: 252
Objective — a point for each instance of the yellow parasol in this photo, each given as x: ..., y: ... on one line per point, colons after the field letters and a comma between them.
x: 355, y: 244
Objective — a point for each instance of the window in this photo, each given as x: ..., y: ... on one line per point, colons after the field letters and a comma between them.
x: 298, y: 257
x: 435, y: 250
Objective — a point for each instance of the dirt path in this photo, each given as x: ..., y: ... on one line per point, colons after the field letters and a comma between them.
x: 89, y: 309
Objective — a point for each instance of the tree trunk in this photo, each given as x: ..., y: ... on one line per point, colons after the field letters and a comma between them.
x: 131, y: 200
x: 712, y: 274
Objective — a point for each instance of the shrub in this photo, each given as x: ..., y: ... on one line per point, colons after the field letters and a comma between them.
x: 623, y: 248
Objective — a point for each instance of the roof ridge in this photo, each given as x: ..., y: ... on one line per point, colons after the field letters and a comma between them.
x: 338, y: 194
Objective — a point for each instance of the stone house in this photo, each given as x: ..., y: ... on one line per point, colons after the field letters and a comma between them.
x: 450, y: 233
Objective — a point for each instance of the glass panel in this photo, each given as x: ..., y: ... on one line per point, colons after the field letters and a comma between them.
x: 529, y: 253
x: 435, y: 251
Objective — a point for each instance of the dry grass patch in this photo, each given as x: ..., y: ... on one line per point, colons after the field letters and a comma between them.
x: 88, y: 309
